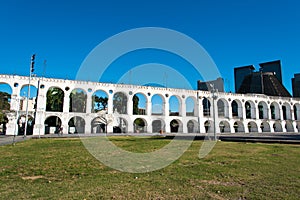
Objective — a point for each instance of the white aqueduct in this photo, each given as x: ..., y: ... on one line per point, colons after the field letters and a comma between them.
x: 242, y: 113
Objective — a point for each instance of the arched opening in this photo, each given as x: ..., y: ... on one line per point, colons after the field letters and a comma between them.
x: 140, y: 125
x: 250, y: 110
x: 175, y: 106
x: 289, y: 126
x: 252, y: 127
x: 21, y: 125
x: 157, y: 103
x: 265, y: 127
x: 297, y: 111
x: 52, y: 125
x: 277, y: 127
x: 191, y: 108
x: 237, y: 109
x: 32, y: 92
x: 263, y: 110
x: 222, y: 108
x: 208, y: 125
x: 55, y: 100
x: 275, y: 114
x: 76, y: 125
x: 176, y: 126
x: 139, y: 102
x: 224, y: 127
x: 158, y: 126
x: 99, y: 125
x: 78, y: 99
x: 206, y: 107
x: 99, y: 101
x: 192, y: 126
x: 120, y: 103
x: 5, y: 101
x: 120, y: 125
x: 298, y: 126
x: 286, y: 111
x: 239, y: 127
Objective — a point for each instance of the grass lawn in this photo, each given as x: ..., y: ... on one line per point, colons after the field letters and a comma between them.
x: 63, y: 169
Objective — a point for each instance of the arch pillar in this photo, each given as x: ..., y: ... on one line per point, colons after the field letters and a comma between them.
x: 148, y: 107
x: 66, y: 106
x: 89, y: 104
x: 110, y: 105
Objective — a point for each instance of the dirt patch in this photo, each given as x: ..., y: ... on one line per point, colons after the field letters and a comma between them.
x: 32, y: 177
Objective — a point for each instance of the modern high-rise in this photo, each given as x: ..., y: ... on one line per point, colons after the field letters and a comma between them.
x: 296, y: 85
x: 217, y: 84
x: 272, y: 66
x: 240, y: 73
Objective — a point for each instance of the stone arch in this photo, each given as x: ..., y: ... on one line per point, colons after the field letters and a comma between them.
x: 55, y: 99
x: 176, y: 126
x: 99, y: 101
x: 224, y: 127
x: 120, y: 125
x: 237, y: 109
x: 297, y: 111
x: 76, y: 125
x: 158, y: 126
x: 157, y: 104
x: 120, y: 101
x: 175, y: 106
x: 192, y: 126
x: 239, y: 127
x: 222, y: 105
x: 209, y: 126
x: 206, y: 107
x: 277, y: 127
x: 99, y: 125
x: 265, y: 127
x: 250, y: 109
x: 289, y: 126
x: 275, y: 111
x: 78, y: 100
x: 139, y: 101
x: 191, y: 106
x: 140, y: 125
x: 52, y: 124
x: 21, y: 124
x: 298, y: 126
x: 263, y: 110
x: 24, y: 90
x: 252, y: 127
x: 286, y: 111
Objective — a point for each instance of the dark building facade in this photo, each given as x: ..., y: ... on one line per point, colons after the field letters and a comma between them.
x: 240, y: 73
x: 296, y: 85
x: 263, y: 83
x: 273, y: 66
x: 218, y: 84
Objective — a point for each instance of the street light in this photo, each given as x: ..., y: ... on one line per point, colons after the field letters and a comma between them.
x: 214, y: 97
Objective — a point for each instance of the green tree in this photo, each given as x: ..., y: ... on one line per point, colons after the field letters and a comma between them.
x: 120, y: 103
x: 135, y: 100
x: 77, y: 101
x: 55, y: 100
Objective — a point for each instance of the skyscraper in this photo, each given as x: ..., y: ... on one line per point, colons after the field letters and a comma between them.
x: 296, y: 85
x: 240, y: 73
x: 272, y: 66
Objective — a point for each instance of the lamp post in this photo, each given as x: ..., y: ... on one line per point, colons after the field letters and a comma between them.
x: 31, y: 70
x: 214, y: 97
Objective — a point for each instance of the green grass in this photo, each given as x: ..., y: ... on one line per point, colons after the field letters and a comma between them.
x: 63, y: 169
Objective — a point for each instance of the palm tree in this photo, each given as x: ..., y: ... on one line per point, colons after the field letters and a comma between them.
x: 77, y: 101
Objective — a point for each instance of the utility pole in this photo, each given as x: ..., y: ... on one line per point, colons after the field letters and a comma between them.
x: 31, y: 70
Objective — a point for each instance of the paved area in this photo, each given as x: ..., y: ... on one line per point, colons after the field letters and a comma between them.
x: 289, y: 138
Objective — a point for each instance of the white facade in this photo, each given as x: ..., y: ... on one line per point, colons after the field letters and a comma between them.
x: 233, y: 112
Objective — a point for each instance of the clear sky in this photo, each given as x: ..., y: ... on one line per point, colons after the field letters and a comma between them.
x: 234, y: 32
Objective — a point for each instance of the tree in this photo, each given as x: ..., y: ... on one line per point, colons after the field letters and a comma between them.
x: 135, y: 100
x: 120, y: 103
x: 77, y: 101
x: 55, y: 100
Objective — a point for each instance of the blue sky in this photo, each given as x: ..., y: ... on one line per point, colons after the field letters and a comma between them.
x: 234, y: 32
